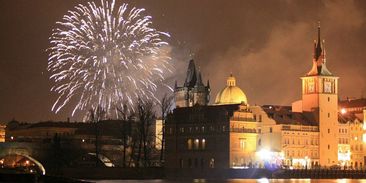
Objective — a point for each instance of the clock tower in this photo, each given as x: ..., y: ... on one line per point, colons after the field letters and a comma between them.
x: 320, y: 96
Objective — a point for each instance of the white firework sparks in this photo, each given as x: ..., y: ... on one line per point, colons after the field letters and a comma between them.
x: 105, y: 56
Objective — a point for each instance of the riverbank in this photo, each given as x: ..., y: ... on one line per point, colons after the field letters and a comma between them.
x: 26, y: 178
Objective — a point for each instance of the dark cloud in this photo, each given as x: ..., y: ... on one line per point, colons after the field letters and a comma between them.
x: 267, y: 45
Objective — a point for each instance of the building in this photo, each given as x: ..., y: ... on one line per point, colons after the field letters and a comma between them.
x: 2, y: 133
x: 193, y: 91
x: 312, y: 132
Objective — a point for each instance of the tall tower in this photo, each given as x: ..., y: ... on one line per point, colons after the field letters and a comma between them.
x: 193, y: 92
x: 320, y: 96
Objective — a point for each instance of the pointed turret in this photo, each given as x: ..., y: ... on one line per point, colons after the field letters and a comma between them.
x: 318, y: 46
x: 319, y: 67
x: 191, y: 75
x: 199, y: 79
x: 208, y: 83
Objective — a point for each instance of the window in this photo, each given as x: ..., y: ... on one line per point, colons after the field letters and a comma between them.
x: 181, y: 163
x: 328, y: 146
x: 328, y: 130
x: 189, y: 163
x: 196, y: 144
x: 203, y: 143
x: 212, y: 163
x: 328, y: 99
x: 260, y: 118
x: 242, y: 143
x: 328, y: 115
x: 189, y: 144
x: 170, y: 130
x: 255, y: 117
x: 270, y: 130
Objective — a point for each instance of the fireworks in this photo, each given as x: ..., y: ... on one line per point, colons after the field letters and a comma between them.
x: 106, y: 56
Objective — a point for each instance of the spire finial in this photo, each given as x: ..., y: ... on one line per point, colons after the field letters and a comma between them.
x: 318, y: 31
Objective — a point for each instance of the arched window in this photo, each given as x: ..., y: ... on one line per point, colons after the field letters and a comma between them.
x: 196, y: 144
x: 203, y: 143
x: 212, y: 163
x: 189, y: 144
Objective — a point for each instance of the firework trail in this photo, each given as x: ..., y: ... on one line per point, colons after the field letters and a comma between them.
x: 106, y: 56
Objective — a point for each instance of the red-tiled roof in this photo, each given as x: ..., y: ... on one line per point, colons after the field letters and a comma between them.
x: 351, y: 103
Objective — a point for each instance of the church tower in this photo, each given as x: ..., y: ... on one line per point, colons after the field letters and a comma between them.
x: 193, y: 92
x: 320, y: 96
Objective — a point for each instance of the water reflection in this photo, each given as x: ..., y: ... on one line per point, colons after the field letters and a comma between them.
x: 262, y: 180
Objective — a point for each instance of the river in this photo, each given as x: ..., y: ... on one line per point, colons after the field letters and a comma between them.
x: 263, y: 180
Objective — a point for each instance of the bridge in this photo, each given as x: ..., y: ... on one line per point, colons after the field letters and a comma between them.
x: 43, y: 157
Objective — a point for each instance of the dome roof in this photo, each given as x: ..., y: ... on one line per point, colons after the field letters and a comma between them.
x: 231, y: 94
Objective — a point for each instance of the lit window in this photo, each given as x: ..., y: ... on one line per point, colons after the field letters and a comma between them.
x: 242, y: 143
x: 189, y: 144
x: 212, y: 163
x: 196, y: 144
x: 203, y: 143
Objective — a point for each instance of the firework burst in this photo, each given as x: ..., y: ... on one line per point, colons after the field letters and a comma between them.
x: 106, y: 55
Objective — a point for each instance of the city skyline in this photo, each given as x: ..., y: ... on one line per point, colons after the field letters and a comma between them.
x: 266, y: 49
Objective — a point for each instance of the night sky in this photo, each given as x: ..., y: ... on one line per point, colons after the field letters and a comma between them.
x: 267, y: 45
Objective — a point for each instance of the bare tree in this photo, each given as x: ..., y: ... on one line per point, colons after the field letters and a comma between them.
x: 125, y: 116
x: 145, y: 116
x: 95, y: 116
x: 166, y: 104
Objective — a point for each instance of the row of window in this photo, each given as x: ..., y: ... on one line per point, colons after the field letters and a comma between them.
x: 341, y: 130
x: 301, y: 153
x: 299, y: 142
x: 357, y: 147
x: 197, y: 144
x: 343, y: 141
x: 196, y: 163
x: 199, y: 129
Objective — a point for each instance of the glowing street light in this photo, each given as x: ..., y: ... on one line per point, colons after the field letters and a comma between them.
x: 264, y: 154
x: 343, y: 111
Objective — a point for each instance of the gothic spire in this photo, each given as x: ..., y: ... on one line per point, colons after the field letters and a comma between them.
x: 319, y: 60
x: 191, y: 75
x: 199, y: 78
x: 318, y: 46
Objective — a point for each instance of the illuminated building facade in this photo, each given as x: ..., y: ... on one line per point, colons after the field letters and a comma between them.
x: 2, y: 133
x: 231, y: 133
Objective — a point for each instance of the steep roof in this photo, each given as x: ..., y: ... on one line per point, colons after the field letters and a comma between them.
x: 191, y: 77
x: 284, y: 115
x: 352, y: 103
x: 319, y: 59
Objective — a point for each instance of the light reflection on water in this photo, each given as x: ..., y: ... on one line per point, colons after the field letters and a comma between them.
x: 263, y: 180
